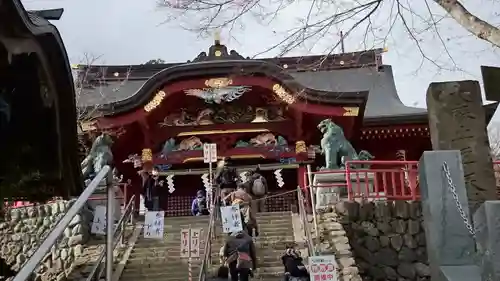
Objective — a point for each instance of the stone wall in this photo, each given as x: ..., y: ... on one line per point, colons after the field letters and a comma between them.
x: 387, y: 239
x: 23, y: 229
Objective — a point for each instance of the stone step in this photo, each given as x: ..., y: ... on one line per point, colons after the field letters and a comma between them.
x: 262, y: 223
x: 138, y: 261
x: 173, y: 254
x: 167, y: 271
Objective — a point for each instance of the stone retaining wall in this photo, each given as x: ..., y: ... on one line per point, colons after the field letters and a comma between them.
x: 23, y: 229
x: 387, y: 239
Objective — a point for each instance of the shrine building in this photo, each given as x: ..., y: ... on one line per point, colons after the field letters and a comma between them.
x: 258, y: 111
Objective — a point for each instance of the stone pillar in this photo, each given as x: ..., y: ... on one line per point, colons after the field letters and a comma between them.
x: 487, y: 228
x: 450, y: 245
x: 457, y: 122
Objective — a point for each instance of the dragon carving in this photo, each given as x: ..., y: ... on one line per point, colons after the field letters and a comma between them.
x: 191, y: 143
x: 204, y: 117
x: 265, y: 139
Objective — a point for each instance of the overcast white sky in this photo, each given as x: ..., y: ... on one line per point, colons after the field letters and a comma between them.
x: 130, y: 32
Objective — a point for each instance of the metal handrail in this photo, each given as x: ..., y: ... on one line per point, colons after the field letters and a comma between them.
x: 311, y: 194
x: 118, y: 233
x: 305, y: 222
x: 37, y: 257
x: 207, y: 255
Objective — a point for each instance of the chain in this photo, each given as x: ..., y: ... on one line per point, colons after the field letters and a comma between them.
x: 453, y: 190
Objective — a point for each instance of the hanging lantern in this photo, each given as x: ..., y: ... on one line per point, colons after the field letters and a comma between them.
x: 300, y: 147
x: 147, y: 155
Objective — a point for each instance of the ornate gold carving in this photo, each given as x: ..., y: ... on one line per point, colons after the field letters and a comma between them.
x: 351, y: 111
x: 300, y: 147
x: 155, y: 102
x: 218, y: 82
x: 147, y: 155
x: 283, y: 94
x: 218, y: 53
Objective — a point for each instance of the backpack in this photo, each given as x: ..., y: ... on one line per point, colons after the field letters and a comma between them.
x: 202, y: 204
x: 259, y: 186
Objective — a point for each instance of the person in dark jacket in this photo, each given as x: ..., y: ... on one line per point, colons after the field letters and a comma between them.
x: 240, y: 255
x: 199, y: 207
x: 294, y: 265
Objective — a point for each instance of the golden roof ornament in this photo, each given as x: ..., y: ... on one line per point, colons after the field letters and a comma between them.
x: 217, y: 37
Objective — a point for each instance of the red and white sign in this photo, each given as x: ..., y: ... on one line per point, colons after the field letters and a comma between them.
x: 323, y: 268
x: 190, y: 243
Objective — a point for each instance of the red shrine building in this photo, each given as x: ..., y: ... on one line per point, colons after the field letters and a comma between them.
x: 258, y: 111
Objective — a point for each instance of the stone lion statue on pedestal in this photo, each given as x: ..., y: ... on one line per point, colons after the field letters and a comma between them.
x: 337, y: 149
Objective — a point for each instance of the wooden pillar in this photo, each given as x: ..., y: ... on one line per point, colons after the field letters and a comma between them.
x: 301, y: 172
x: 457, y: 122
x: 298, y: 126
x: 148, y: 140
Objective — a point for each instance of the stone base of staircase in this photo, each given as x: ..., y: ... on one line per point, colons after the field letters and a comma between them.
x: 159, y: 260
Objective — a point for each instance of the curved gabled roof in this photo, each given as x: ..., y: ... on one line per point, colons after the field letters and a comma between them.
x: 383, y: 100
x: 122, y: 96
x: 21, y: 32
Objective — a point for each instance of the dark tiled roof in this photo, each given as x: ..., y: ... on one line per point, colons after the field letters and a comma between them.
x: 383, y: 99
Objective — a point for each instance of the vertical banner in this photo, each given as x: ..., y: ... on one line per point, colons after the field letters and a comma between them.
x: 99, y: 222
x: 231, y: 219
x: 190, y: 242
x: 185, y: 242
x: 154, y: 225
x: 194, y: 242
x: 323, y: 268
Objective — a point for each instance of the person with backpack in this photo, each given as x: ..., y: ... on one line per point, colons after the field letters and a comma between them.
x: 240, y: 256
x: 294, y: 268
x: 199, y: 207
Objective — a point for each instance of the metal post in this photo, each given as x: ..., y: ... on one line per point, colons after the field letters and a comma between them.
x: 311, y: 192
x: 210, y: 197
x: 190, y: 269
x: 109, y: 230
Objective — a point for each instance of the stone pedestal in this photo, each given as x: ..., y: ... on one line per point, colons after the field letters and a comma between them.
x: 362, y: 184
x: 99, y: 198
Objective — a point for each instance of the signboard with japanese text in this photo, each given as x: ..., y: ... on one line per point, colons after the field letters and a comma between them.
x: 99, y: 222
x: 323, y: 268
x: 209, y: 152
x: 185, y: 242
x: 154, y: 224
x: 231, y: 219
x: 194, y: 245
x: 190, y: 243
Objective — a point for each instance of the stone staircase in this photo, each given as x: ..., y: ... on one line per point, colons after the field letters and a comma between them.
x: 158, y: 260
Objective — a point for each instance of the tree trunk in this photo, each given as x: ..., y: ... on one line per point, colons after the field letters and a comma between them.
x: 473, y: 24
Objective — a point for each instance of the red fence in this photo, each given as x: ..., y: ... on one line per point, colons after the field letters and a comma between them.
x: 391, y: 180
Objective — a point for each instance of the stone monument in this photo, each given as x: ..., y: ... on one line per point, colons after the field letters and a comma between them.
x: 337, y: 150
x: 458, y: 248
x: 457, y: 122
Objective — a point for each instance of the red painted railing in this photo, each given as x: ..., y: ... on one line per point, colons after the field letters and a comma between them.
x: 391, y: 180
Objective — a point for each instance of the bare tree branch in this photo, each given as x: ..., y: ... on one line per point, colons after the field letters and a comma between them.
x: 473, y: 24
x: 316, y: 20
